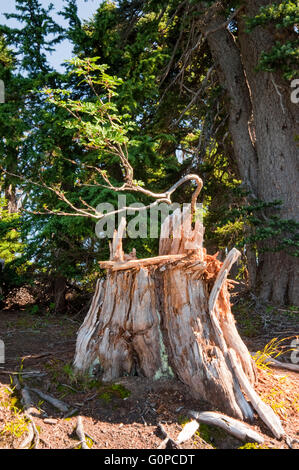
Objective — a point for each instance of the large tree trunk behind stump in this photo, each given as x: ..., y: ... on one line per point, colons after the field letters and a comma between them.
x: 168, y: 315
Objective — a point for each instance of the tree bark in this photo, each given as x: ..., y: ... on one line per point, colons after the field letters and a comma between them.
x: 169, y: 317
x: 10, y: 196
x: 226, y: 55
x: 263, y: 127
x: 278, y: 165
x: 59, y: 285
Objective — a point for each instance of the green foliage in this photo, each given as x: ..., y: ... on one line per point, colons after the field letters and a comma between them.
x: 33, y: 310
x: 21, y: 117
x: 10, y: 243
x: 98, y: 122
x: 183, y: 420
x: 36, y: 38
x: 249, y: 224
x: 12, y: 249
x: 136, y: 44
x: 68, y: 381
x: 273, y: 349
x: 284, y: 14
x: 109, y: 392
x: 6, y: 57
x: 64, y: 373
x: 282, y: 19
x: 253, y: 445
x: 130, y: 87
x: 282, y: 56
x: 210, y: 434
x: 18, y: 424
x: 249, y: 324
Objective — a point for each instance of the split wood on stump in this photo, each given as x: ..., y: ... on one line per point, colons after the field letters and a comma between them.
x: 171, y: 315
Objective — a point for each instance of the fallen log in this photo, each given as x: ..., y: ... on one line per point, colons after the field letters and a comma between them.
x: 60, y: 405
x: 236, y: 428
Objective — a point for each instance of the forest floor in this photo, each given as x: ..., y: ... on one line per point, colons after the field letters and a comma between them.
x: 126, y: 414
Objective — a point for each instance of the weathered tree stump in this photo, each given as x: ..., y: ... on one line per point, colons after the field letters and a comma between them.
x: 170, y: 315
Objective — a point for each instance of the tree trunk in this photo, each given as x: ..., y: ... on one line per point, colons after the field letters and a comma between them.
x: 169, y: 315
x: 277, y: 150
x: 226, y: 55
x: 59, y: 285
x: 263, y: 127
x: 10, y: 196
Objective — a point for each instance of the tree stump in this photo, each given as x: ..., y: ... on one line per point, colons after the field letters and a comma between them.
x: 169, y: 315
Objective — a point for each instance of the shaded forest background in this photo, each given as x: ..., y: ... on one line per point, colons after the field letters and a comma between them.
x: 182, y: 87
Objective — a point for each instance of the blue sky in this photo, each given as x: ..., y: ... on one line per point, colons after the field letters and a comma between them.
x: 86, y: 9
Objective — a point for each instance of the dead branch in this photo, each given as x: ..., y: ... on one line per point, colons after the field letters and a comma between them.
x: 60, y: 405
x: 140, y: 263
x: 270, y: 361
x: 129, y: 185
x: 32, y: 373
x: 117, y: 253
x: 232, y: 426
x: 50, y: 420
x: 32, y: 439
x: 37, y: 356
x: 167, y: 438
x: 195, y: 97
x: 225, y: 23
x: 187, y: 432
x: 80, y: 433
x: 290, y: 442
x: 70, y: 413
x: 264, y: 411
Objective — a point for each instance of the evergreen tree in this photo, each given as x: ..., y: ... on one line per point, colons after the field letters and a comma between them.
x: 193, y: 70
x: 30, y: 133
x: 189, y: 96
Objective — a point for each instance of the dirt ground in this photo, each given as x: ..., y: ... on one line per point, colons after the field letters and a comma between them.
x: 127, y: 413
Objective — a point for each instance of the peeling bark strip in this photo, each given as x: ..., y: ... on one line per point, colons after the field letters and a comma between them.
x: 264, y: 411
x: 169, y: 315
